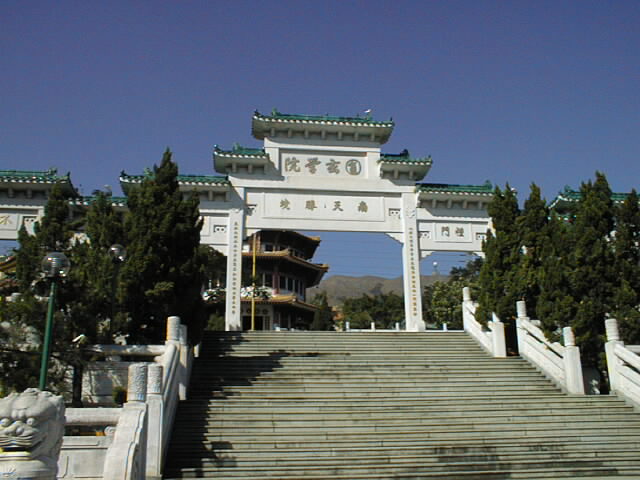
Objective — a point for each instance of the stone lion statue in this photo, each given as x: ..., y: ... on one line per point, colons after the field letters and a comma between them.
x: 31, y: 431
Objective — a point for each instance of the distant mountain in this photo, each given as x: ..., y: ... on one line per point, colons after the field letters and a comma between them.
x: 339, y: 287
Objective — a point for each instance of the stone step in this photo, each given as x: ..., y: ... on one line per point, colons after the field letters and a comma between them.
x: 250, y: 419
x: 413, y: 467
x: 598, y: 445
x: 437, y: 461
x: 383, y: 432
x: 415, y: 411
x: 388, y: 405
x: 532, y: 441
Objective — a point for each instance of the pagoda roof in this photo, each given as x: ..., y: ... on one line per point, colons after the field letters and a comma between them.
x: 8, y: 264
x: 287, y: 255
x: 34, y: 177
x: 485, y: 189
x: 290, y: 300
x: 265, y: 125
x: 291, y: 239
x: 186, y: 180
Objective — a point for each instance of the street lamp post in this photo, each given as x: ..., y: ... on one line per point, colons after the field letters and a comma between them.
x: 118, y: 255
x: 54, y: 265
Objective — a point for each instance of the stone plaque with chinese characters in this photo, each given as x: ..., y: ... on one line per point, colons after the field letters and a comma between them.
x: 323, y: 206
x: 322, y: 164
x: 9, y: 221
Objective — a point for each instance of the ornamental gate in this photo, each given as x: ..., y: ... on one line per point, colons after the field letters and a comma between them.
x: 315, y: 173
x: 329, y: 174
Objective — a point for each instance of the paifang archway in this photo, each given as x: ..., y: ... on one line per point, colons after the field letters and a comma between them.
x: 317, y: 173
x: 329, y: 173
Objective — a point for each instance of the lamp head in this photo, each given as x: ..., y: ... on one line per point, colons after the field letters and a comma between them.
x: 117, y: 252
x: 55, y: 264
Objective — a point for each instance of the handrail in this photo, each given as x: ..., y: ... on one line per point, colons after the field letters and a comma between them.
x: 561, y: 363
x: 144, y: 423
x: 493, y: 341
x: 623, y: 364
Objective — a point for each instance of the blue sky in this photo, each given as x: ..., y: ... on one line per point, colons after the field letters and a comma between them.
x: 509, y: 91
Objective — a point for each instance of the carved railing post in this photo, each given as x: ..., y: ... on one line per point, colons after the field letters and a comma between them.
x: 498, y: 337
x: 521, y: 311
x: 613, y: 361
x: 155, y: 425
x: 572, y: 363
x: 137, y: 385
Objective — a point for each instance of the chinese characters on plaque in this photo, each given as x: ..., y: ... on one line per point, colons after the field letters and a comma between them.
x: 322, y: 165
x: 324, y: 206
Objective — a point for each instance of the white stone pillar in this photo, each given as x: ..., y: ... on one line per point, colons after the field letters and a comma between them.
x: 173, y: 329
x: 233, y: 314
x: 498, y: 338
x: 572, y: 363
x: 137, y: 383
x: 184, y: 362
x: 521, y: 309
x: 155, y: 421
x: 613, y: 362
x: 411, y: 265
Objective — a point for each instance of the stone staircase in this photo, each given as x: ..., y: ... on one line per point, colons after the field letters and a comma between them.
x: 324, y: 405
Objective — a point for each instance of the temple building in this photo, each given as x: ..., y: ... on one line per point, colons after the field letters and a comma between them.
x: 283, y: 274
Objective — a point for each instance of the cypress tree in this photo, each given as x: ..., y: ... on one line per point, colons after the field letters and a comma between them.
x: 626, y: 250
x: 163, y: 274
x: 531, y: 226
x: 593, y: 274
x: 555, y: 307
x: 502, y: 250
x: 94, y: 272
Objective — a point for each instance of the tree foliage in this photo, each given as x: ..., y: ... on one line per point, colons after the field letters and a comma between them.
x: 164, y: 271
x: 323, y: 317
x: 502, y: 249
x: 573, y: 271
x: 626, y: 252
x: 385, y: 310
x: 163, y: 275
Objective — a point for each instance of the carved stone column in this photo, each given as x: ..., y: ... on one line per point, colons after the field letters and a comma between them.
x: 411, y: 265
x: 233, y: 314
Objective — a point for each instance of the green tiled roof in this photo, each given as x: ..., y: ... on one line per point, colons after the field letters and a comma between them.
x: 50, y: 175
x: 569, y: 195
x: 486, y: 188
x: 366, y: 120
x: 188, y: 179
x: 404, y: 157
x: 86, y: 201
x: 33, y: 176
x: 240, y: 151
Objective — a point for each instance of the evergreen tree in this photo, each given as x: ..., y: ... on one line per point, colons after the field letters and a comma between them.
x: 531, y: 226
x: 556, y: 305
x: 502, y: 251
x: 93, y: 277
x: 27, y: 314
x: 593, y: 271
x: 164, y: 271
x: 626, y: 250
x: 323, y: 317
